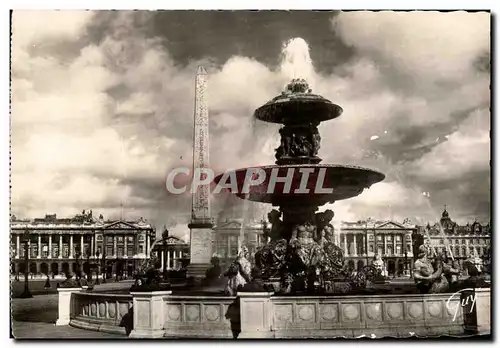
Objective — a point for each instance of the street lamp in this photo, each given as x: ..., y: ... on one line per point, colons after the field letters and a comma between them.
x: 103, y: 261
x: 406, y: 261
x: 98, y: 264
x: 26, y: 293
x: 164, y: 251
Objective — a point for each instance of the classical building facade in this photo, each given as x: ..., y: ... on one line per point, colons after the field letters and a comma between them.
x: 229, y: 235
x: 172, y: 251
x: 392, y: 240
x: 54, y: 244
x: 461, y: 242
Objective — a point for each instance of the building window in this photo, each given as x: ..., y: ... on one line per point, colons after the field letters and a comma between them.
x: 55, y: 251
x: 398, y: 249
x: 34, y: 250
x: 141, y: 238
x: 398, y: 238
x: 130, y: 251
x: 233, y: 246
x: 371, y: 248
x: 141, y: 249
x: 120, y: 239
x: 379, y: 237
x: 86, y: 250
x: 441, y: 241
x: 65, y: 251
x: 45, y: 251
x: 109, y: 240
x: 408, y: 248
x: 120, y: 251
x: 109, y: 250
x: 130, y: 239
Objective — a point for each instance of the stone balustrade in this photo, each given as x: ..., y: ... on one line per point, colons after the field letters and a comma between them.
x: 201, y: 316
x: 102, y: 312
x: 264, y: 315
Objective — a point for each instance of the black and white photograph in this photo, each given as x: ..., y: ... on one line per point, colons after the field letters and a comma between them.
x: 250, y: 174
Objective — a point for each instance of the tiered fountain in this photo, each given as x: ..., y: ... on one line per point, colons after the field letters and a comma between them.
x: 297, y: 241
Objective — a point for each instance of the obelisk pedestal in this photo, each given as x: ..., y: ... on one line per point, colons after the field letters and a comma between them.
x: 200, y: 249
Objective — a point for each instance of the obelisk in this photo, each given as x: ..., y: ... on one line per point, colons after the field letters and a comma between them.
x: 201, y: 225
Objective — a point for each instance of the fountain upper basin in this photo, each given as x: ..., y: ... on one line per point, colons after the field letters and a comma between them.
x: 298, y: 108
x: 325, y: 183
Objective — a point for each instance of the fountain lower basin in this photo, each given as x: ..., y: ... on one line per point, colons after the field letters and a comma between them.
x: 163, y: 314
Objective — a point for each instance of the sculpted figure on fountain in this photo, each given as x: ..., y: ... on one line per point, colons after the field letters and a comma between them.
x: 429, y: 279
x: 271, y: 257
x: 239, y: 272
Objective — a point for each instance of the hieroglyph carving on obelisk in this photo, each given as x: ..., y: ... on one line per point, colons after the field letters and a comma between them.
x: 201, y: 201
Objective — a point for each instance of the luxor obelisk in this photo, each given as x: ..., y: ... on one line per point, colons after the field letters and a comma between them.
x: 201, y: 225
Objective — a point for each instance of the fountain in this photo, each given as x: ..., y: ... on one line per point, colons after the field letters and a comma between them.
x: 297, y: 244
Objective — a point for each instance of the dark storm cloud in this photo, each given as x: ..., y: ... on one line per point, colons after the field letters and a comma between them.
x: 220, y: 35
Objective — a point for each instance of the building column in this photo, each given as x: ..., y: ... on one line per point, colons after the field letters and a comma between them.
x: 50, y: 247
x: 18, y: 252
x: 346, y: 249
x: 355, y: 242
x: 92, y: 253
x: 71, y: 246
x: 60, y: 246
x: 385, y: 245
x: 125, y: 253
x: 168, y: 258
x: 148, y: 245
x: 394, y: 243
x: 114, y: 247
x: 162, y: 252
x: 39, y: 247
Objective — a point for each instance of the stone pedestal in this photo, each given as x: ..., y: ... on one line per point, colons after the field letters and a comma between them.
x: 148, y: 308
x: 200, y: 249
x: 64, y: 305
x: 483, y: 311
x: 255, y: 314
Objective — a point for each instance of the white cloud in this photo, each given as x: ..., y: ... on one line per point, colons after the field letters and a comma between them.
x: 428, y: 45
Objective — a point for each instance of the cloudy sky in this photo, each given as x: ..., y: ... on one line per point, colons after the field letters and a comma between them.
x: 102, y: 107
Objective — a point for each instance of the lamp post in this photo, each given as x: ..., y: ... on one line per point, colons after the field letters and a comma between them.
x: 406, y: 262
x: 164, y: 237
x: 103, y: 261
x: 98, y: 264
x: 26, y: 293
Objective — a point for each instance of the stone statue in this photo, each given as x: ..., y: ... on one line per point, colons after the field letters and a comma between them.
x: 271, y: 257
x: 379, y: 265
x: 332, y: 260
x: 316, y: 139
x: 301, y: 145
x: 429, y: 279
x: 306, y: 256
x: 322, y: 220
x: 286, y: 143
x: 451, y: 270
x: 239, y: 273
x: 276, y: 232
